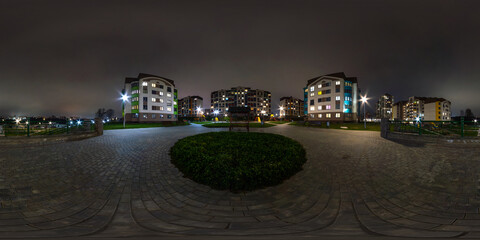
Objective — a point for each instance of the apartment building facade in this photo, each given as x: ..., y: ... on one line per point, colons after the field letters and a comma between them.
x: 399, y: 111
x: 152, y: 99
x: 256, y: 99
x: 332, y: 98
x: 428, y: 109
x: 384, y: 107
x: 291, y: 107
x: 190, y: 106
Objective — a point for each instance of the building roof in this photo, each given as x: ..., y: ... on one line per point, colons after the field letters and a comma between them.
x: 401, y: 102
x: 336, y: 75
x: 430, y: 99
x: 145, y: 75
x: 290, y: 98
x: 192, y: 97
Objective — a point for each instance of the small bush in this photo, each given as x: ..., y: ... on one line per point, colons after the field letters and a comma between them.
x: 238, y: 160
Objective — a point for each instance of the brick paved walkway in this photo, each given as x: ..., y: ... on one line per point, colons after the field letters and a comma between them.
x: 354, y: 183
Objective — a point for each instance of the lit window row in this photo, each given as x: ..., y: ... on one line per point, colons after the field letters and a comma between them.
x: 160, y: 100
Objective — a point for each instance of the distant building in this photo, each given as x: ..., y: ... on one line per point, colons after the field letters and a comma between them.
x: 332, y: 97
x: 399, y: 111
x: 384, y: 107
x: 257, y: 100
x: 428, y: 109
x: 190, y: 106
x: 291, y: 107
x: 152, y: 99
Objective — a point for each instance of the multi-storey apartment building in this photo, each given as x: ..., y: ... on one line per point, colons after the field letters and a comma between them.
x: 258, y: 100
x: 332, y: 97
x: 152, y: 99
x: 190, y: 106
x: 291, y: 107
x: 428, y: 109
x: 384, y: 107
x: 399, y: 111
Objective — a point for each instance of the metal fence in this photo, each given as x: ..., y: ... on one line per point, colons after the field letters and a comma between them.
x: 440, y: 128
x: 43, y: 128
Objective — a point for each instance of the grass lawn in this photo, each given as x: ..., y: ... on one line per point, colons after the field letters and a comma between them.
x: 343, y: 126
x: 226, y: 125
x: 202, y: 123
x: 238, y: 161
x: 111, y: 126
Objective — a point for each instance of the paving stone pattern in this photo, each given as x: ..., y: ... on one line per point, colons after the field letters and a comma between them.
x: 354, y: 184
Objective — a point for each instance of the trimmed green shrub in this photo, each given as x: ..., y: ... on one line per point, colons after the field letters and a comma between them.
x: 238, y: 160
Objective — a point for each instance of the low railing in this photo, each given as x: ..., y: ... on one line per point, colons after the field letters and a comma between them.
x: 45, y: 128
x: 439, y: 128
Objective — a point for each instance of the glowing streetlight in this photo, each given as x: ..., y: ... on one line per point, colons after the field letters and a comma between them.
x: 124, y: 99
x: 17, y: 120
x: 364, y: 102
x: 281, y: 109
x: 79, y: 122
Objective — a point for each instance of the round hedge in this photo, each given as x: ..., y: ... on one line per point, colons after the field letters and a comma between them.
x: 238, y: 160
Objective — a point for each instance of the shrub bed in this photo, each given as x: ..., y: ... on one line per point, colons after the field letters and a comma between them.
x: 237, y: 160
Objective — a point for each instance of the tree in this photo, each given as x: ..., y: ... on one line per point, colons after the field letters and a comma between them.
x: 101, y: 113
x: 109, y: 113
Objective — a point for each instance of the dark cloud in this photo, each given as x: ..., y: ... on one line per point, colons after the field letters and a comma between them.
x: 70, y: 57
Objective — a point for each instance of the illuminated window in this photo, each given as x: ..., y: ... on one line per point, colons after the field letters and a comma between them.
x: 154, y: 99
x: 328, y: 107
x: 337, y: 115
x: 319, y: 92
x: 328, y: 115
x: 169, y: 109
x: 319, y: 115
x: 337, y: 83
x: 160, y: 93
x: 312, y: 108
x: 161, y: 100
x: 312, y: 88
x: 319, y: 85
x: 154, y: 85
x: 312, y: 94
x: 135, y: 92
x: 169, y: 94
x: 337, y: 98
x: 319, y: 107
x: 144, y: 84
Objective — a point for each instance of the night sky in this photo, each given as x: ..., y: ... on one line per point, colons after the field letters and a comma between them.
x: 70, y: 58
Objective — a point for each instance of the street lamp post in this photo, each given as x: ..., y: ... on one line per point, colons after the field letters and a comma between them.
x: 124, y: 99
x: 364, y: 101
